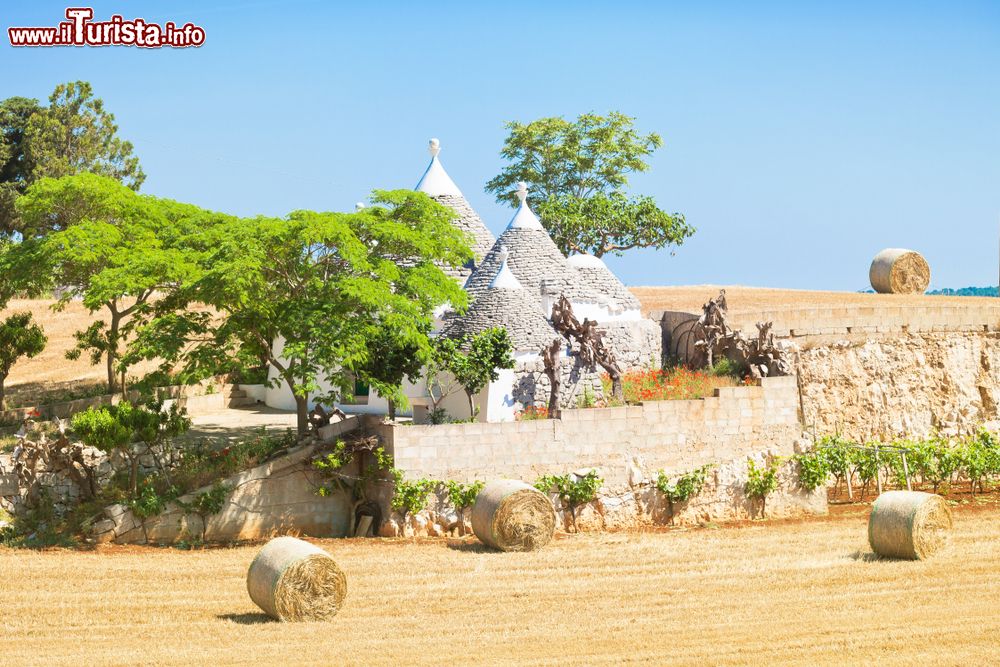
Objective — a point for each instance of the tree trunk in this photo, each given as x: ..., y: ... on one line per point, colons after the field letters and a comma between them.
x: 550, y: 355
x: 616, y: 379
x: 112, y: 352
x: 472, y: 406
x: 302, y: 415
x: 3, y: 394
x: 392, y: 410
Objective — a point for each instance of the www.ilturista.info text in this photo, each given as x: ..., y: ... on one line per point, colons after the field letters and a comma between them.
x: 81, y: 30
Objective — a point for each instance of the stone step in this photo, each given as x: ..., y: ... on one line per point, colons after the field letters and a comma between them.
x: 236, y: 402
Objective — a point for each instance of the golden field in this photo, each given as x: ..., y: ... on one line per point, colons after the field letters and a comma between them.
x: 690, y: 298
x: 759, y: 593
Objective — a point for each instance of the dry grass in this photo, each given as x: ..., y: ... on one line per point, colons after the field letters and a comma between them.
x: 691, y: 298
x: 51, y: 372
x: 803, y: 593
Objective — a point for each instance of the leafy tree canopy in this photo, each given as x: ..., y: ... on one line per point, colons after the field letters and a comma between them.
x: 14, y: 115
x: 317, y: 295
x: 610, y: 223
x: 576, y: 171
x: 73, y: 134
x: 111, y: 247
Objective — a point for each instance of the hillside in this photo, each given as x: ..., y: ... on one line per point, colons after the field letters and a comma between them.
x: 51, y: 371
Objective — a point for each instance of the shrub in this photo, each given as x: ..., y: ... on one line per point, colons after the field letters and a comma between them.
x: 814, y: 469
x: 762, y: 481
x: 678, y: 383
x: 573, y: 490
x: 531, y: 413
x: 727, y: 368
x: 683, y: 487
x: 463, y: 495
x: 411, y: 497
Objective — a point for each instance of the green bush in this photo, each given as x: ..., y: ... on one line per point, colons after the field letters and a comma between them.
x: 573, y: 490
x: 683, y: 487
x: 762, y: 481
x: 814, y: 469
x: 727, y: 368
x: 463, y: 495
x: 411, y: 496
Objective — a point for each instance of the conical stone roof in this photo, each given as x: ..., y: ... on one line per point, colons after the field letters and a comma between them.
x: 597, y: 278
x: 438, y: 184
x: 534, y: 257
x: 505, y: 303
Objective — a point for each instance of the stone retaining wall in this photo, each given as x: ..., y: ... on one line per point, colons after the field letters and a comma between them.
x: 276, y: 497
x: 195, y: 398
x: 672, y: 435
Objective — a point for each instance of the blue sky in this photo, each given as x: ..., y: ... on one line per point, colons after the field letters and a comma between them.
x: 799, y: 141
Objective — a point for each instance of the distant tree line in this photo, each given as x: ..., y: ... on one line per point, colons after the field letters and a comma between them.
x: 966, y: 291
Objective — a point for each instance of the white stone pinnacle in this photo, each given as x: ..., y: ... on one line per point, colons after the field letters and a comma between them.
x: 436, y: 182
x: 524, y: 218
x: 505, y: 279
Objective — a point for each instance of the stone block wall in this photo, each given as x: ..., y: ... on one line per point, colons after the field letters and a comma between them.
x: 671, y: 435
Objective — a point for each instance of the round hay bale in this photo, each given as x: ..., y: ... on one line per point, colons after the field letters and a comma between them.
x: 513, y: 516
x: 908, y: 524
x: 899, y: 271
x: 292, y: 580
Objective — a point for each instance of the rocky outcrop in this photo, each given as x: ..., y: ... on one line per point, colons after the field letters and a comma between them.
x: 904, y: 385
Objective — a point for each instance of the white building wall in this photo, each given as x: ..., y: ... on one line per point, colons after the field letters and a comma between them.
x: 279, y: 394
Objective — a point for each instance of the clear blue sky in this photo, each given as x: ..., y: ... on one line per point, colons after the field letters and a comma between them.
x: 799, y: 141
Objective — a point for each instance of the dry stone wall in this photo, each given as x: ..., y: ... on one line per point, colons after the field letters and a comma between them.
x: 276, y: 497
x: 576, y: 383
x: 637, y: 344
x: 901, y: 385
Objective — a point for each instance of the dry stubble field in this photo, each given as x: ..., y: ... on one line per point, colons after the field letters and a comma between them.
x: 766, y: 593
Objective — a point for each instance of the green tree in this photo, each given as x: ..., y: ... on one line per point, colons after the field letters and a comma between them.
x: 113, y: 248
x: 74, y: 134
x: 14, y: 174
x: 19, y: 337
x: 576, y: 171
x: 393, y: 358
x: 115, y: 428
x: 610, y: 223
x: 473, y: 362
x: 310, y: 293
